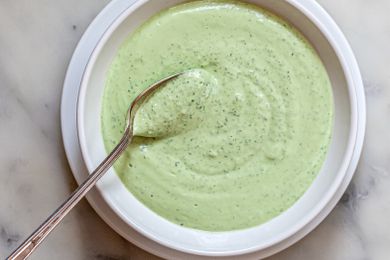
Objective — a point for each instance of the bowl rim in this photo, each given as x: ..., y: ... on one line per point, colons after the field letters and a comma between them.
x: 358, y: 117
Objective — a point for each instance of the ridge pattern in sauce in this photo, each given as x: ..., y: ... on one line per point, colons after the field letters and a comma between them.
x: 236, y: 140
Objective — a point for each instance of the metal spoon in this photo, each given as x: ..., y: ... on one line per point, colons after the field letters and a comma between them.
x: 33, y: 241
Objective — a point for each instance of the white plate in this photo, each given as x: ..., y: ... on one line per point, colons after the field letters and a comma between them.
x: 68, y: 115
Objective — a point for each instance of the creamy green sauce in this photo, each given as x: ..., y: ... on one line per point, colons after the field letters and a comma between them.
x: 237, y: 139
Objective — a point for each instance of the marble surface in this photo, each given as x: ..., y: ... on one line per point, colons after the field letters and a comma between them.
x: 37, y: 39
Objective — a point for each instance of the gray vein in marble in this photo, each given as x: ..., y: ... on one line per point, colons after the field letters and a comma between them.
x: 109, y: 257
x: 9, y: 238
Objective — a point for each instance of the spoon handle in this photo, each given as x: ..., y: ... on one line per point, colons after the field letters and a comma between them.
x: 33, y: 241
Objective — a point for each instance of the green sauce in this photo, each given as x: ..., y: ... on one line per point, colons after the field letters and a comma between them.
x: 236, y: 140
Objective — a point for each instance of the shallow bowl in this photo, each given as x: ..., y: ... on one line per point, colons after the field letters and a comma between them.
x: 348, y: 131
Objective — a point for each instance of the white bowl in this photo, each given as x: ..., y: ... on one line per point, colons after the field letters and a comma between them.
x: 348, y: 131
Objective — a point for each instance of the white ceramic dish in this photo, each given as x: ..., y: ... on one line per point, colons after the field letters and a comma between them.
x: 348, y: 135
